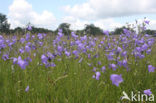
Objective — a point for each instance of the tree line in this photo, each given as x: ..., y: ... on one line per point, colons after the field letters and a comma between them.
x: 90, y: 29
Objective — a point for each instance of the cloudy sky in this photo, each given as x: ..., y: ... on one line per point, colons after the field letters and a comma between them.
x: 107, y: 14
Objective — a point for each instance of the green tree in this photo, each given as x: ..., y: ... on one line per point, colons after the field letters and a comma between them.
x: 4, y: 25
x: 37, y: 29
x: 65, y: 28
x: 92, y: 29
x: 150, y: 32
x: 19, y: 30
x: 120, y: 30
x: 40, y: 30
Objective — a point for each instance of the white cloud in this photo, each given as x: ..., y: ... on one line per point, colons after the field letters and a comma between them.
x: 99, y: 12
x: 84, y: 11
x: 95, y: 9
x: 152, y: 24
x: 75, y: 22
x: 109, y: 23
x: 21, y: 13
x: 104, y: 12
x: 102, y: 23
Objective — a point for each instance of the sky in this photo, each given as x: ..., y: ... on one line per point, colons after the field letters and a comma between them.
x: 106, y: 14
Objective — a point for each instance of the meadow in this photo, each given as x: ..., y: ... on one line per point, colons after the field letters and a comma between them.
x: 39, y: 68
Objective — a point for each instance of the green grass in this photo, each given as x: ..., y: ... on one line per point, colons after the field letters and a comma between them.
x: 70, y: 81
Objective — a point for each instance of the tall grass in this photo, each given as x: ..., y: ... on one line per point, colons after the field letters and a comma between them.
x: 71, y: 81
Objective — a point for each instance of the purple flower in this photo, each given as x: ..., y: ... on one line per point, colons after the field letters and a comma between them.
x: 125, y: 31
x: 60, y: 33
x: 102, y: 42
x: 124, y: 53
x: 27, y: 48
x: 47, y: 60
x: 44, y: 34
x: 44, y: 59
x: 94, y: 69
x: 119, y: 50
x: 151, y: 68
x: 103, y: 68
x: 21, y: 50
x: 106, y: 32
x: 40, y: 36
x: 33, y: 36
x: 29, y: 43
x: 141, y: 56
x: 98, y: 74
x: 33, y: 47
x: 5, y: 57
x: 75, y: 52
x: 144, y: 47
x: 15, y: 60
x: 52, y: 64
x: 27, y: 89
x: 29, y: 28
x: 74, y: 35
x: 93, y: 76
x: 96, y: 56
x: 148, y: 51
x: 147, y: 22
x: 77, y: 42
x: 110, y: 56
x: 116, y: 79
x: 84, y: 38
x: 27, y: 37
x: 72, y: 43
x: 80, y: 46
x: 60, y: 49
x: 124, y: 62
x: 50, y: 55
x: 29, y: 59
x: 150, y: 43
x: 148, y: 92
x: 67, y: 53
x: 99, y: 62
x: 7, y: 41
x: 138, y: 49
x: 14, y: 39
x: 120, y: 63
x: 147, y: 35
x: 22, y: 40
x: 22, y: 63
x: 89, y: 56
x: 113, y: 66
x: 40, y: 43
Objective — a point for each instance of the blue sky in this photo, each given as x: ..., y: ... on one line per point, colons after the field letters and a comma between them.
x: 54, y: 6
x: 107, y: 14
x: 4, y: 6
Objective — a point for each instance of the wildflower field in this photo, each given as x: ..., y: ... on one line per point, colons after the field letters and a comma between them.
x: 40, y: 68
